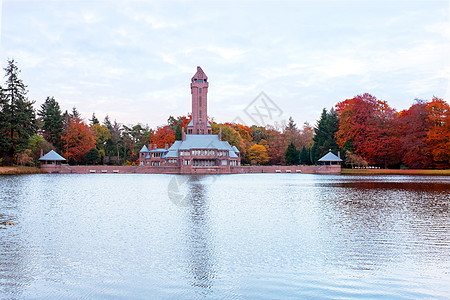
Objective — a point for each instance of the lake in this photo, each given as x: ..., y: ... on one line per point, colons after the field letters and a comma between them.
x: 271, y: 236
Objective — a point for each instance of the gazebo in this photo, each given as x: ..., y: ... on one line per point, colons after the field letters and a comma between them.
x: 330, y: 159
x: 52, y: 158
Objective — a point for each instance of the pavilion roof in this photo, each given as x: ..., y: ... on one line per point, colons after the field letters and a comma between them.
x: 52, y: 155
x: 330, y: 157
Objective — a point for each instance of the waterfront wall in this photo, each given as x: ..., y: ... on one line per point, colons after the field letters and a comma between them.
x: 62, y: 169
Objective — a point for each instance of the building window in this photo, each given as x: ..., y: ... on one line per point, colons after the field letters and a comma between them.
x: 200, y: 81
x: 200, y: 91
x: 200, y: 101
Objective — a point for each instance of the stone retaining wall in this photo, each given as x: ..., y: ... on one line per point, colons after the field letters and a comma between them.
x: 333, y: 169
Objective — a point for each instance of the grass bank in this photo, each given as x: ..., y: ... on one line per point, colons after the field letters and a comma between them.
x: 395, y: 172
x: 16, y: 170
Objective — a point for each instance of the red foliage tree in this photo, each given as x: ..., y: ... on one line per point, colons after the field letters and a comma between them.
x: 275, y: 146
x: 163, y: 135
x: 412, y: 128
x: 366, y: 128
x: 78, y: 139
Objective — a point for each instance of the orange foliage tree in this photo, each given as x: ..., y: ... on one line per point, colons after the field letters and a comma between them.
x: 438, y: 135
x: 366, y: 127
x: 78, y: 139
x: 163, y: 135
x: 258, y: 154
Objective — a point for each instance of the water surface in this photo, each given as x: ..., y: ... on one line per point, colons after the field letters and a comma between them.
x: 228, y: 236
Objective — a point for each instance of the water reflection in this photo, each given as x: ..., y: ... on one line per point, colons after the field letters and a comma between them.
x: 241, y: 236
x: 13, y: 270
x: 200, y: 248
x: 376, y: 223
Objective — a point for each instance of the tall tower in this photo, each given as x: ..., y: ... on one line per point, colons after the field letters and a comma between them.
x: 199, y: 91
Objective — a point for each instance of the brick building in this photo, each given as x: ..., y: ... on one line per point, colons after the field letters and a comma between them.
x: 199, y: 150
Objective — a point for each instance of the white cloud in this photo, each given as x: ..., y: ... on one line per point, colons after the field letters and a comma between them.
x: 101, y: 55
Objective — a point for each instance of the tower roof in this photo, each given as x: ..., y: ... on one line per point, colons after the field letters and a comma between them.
x: 200, y: 74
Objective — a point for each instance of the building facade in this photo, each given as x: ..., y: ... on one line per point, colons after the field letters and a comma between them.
x: 199, y: 151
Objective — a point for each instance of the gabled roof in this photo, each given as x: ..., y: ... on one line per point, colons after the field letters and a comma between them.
x: 52, y: 155
x: 235, y: 149
x: 144, y: 149
x: 330, y: 157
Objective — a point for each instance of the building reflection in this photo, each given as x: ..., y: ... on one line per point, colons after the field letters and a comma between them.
x: 200, y: 249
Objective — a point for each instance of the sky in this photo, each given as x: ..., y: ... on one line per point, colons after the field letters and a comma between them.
x: 133, y: 60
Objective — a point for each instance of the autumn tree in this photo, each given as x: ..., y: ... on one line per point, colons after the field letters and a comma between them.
x: 78, y: 139
x: 275, y: 146
x: 258, y: 154
x: 355, y: 160
x: 412, y: 126
x: 162, y: 136
x: 438, y: 135
x: 228, y: 134
x: 366, y: 127
x: 52, y: 122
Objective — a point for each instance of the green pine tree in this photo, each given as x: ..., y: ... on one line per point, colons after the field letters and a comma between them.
x: 178, y: 135
x: 291, y: 156
x: 304, y: 156
x: 17, y: 114
x: 94, y: 120
x: 52, y: 122
x: 324, y: 138
x: 92, y: 157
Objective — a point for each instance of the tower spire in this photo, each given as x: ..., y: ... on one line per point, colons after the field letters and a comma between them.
x: 199, y: 92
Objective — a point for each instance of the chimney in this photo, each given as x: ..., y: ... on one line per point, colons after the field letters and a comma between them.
x: 166, y: 147
x: 220, y: 134
x: 42, y: 152
x: 339, y: 154
x: 183, y: 134
x: 155, y: 147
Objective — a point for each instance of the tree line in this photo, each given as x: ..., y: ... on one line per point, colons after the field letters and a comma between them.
x: 364, y: 130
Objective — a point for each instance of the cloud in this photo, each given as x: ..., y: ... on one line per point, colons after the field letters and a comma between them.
x: 135, y: 59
